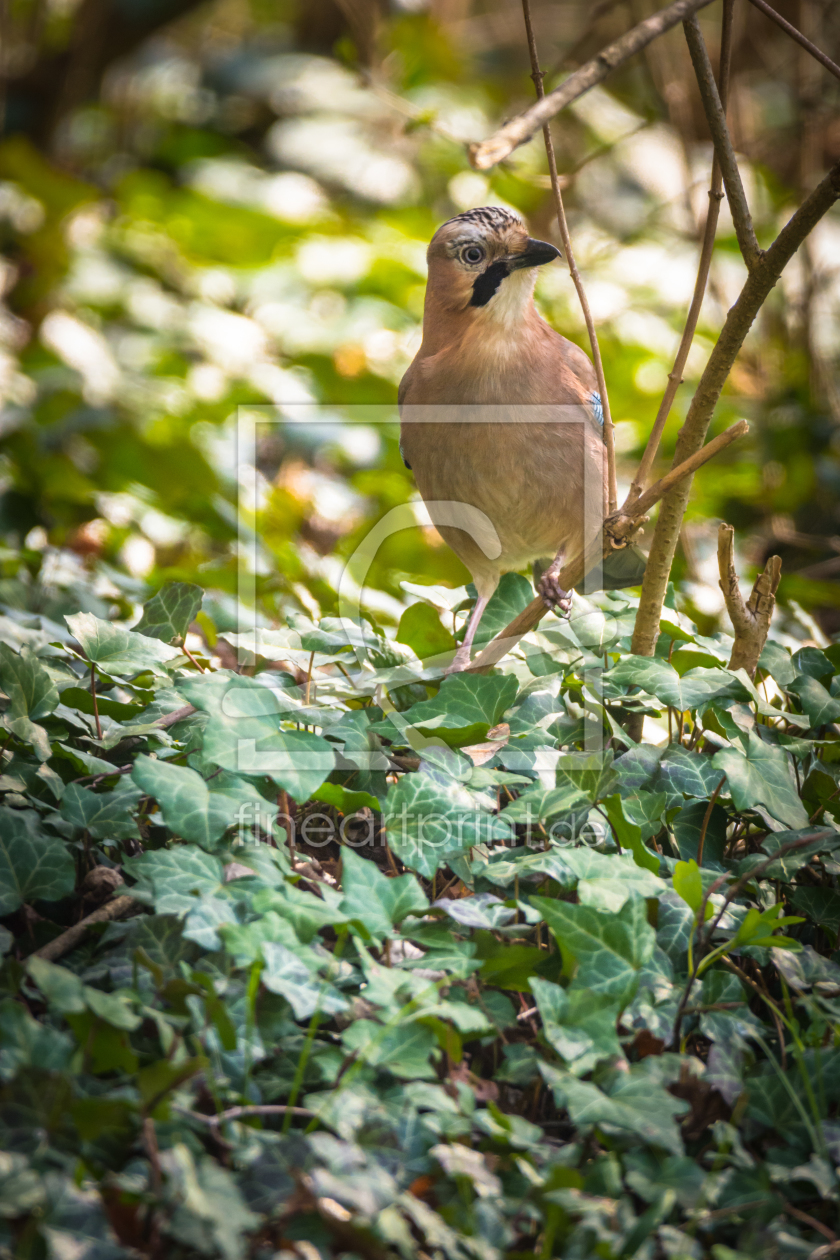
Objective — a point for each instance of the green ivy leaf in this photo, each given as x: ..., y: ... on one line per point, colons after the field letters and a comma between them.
x: 244, y: 734
x: 631, y: 1103
x: 610, y: 949
x: 578, y: 1024
x: 171, y: 879
x: 168, y: 614
x: 686, y: 772
x: 345, y: 800
x: 106, y: 815
x: 421, y: 629
x: 762, y: 775
x: 33, y: 866
x: 688, y: 883
x: 285, y: 973
x: 603, y: 880
x: 429, y: 819
x: 197, y: 810
x: 513, y: 593
x: 821, y: 906
x: 813, y: 662
x: 81, y: 699
x: 820, y: 706
x: 688, y: 826
x: 589, y: 773
x: 462, y: 712
x: 31, y: 691
x: 403, y: 1051
x: 118, y: 651
x: 775, y: 659
x: 374, y: 899
x: 24, y: 1042
x: 63, y: 989
x: 629, y: 833
x: 658, y: 678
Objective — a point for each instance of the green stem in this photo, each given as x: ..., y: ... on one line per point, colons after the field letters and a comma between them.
x: 816, y: 1135
x: 251, y: 1019
x: 310, y: 1038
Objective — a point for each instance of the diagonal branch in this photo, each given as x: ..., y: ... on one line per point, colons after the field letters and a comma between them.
x: 706, y: 249
x: 716, y: 118
x: 786, y: 26
x: 488, y: 152
x: 117, y: 908
x: 740, y: 319
x: 750, y: 620
x: 609, y: 434
x: 617, y: 531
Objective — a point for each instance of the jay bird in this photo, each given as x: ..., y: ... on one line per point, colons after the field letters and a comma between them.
x: 486, y: 407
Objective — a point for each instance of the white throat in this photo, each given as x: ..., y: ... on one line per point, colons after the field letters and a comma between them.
x: 506, y: 308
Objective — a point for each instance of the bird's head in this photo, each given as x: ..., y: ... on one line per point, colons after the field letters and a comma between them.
x: 483, y: 261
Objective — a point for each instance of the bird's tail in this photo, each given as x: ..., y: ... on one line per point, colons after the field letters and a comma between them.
x: 622, y: 568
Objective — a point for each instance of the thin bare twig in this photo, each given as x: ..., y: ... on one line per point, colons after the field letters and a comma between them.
x: 94, y: 700
x: 706, y: 819
x: 308, y: 678
x: 684, y: 469
x: 716, y: 118
x: 765, y: 996
x: 103, y: 774
x: 170, y: 719
x: 190, y: 657
x: 706, y: 250
x: 61, y: 945
x: 238, y: 1113
x: 609, y: 434
x: 750, y: 619
x: 815, y: 52
x: 489, y: 152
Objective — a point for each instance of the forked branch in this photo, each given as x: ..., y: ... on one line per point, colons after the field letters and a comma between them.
x: 765, y: 269
x: 740, y: 319
x: 750, y: 619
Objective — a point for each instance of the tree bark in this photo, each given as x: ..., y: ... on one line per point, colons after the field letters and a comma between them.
x: 750, y: 620
x: 692, y: 435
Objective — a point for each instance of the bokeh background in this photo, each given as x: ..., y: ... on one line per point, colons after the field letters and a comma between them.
x: 211, y: 206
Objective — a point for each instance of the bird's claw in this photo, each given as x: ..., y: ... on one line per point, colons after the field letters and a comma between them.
x: 553, y: 596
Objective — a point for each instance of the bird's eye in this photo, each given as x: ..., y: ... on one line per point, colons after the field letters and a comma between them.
x: 473, y: 254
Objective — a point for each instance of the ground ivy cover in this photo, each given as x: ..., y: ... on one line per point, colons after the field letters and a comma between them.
x: 410, y: 967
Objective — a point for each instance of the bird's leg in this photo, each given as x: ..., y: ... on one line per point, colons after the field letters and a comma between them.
x: 552, y: 593
x: 461, y: 659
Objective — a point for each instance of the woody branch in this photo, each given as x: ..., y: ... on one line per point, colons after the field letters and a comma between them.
x: 765, y: 269
x: 751, y: 618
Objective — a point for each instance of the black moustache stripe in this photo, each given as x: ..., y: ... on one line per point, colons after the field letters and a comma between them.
x: 488, y: 282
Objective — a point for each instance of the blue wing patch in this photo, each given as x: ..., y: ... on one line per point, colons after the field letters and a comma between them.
x: 597, y: 407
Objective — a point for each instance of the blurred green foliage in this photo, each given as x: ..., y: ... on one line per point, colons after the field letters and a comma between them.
x: 229, y: 208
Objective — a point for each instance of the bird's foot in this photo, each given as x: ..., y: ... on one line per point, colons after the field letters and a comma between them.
x: 460, y: 661
x: 553, y: 596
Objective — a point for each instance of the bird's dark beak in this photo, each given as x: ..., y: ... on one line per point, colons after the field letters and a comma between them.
x: 535, y: 254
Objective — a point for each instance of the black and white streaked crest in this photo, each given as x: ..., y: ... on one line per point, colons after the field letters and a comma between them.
x: 494, y: 218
